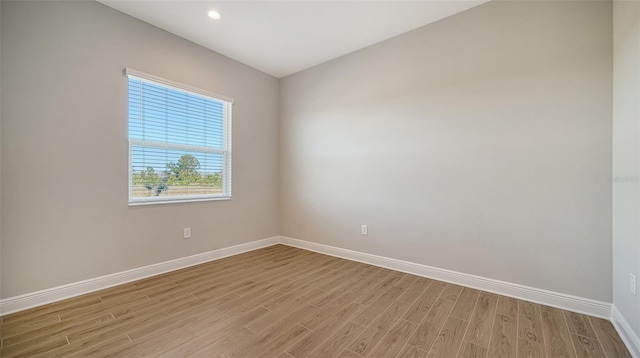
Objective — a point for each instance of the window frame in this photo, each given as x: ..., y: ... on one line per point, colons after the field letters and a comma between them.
x: 226, y: 151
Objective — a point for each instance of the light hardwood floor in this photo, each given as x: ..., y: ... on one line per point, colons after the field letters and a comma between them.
x: 285, y: 302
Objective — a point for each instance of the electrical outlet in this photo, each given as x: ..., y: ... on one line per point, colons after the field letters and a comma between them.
x: 364, y: 230
x: 632, y: 283
x: 187, y: 233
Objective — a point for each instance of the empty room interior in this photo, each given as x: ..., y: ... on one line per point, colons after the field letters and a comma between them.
x: 289, y: 179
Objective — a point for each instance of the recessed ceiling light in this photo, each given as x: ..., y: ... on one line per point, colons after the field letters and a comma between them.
x: 214, y: 15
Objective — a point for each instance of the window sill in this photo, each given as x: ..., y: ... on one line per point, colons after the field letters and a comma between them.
x: 177, y: 201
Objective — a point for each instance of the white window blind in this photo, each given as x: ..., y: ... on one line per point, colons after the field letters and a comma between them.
x: 179, y: 142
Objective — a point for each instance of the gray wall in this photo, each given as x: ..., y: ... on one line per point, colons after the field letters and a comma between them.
x: 480, y: 143
x: 626, y: 158
x: 64, y: 147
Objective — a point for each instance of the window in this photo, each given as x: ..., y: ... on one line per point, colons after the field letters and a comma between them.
x: 179, y: 142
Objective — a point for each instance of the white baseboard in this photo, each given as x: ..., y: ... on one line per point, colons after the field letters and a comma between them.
x: 30, y: 300
x: 532, y: 294
x: 629, y: 337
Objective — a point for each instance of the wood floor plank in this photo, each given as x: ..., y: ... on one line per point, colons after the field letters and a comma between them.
x: 290, y: 299
x: 470, y: 350
x: 34, y: 346
x: 231, y: 304
x: 262, y: 286
x: 80, y: 350
x: 131, y: 322
x: 356, y: 284
x: 318, y: 318
x: 134, y: 291
x: 348, y: 354
x: 306, y: 279
x: 587, y: 347
x: 609, y: 339
x: 169, y: 297
x: 202, y: 291
x: 423, y: 304
x: 87, y: 348
x: 465, y: 304
x: 507, y: 306
x: 202, y: 304
x: 449, y: 339
x: 161, y: 335
x: 267, y: 346
x: 280, y: 343
x: 62, y: 328
x: 250, y: 305
x: 378, y: 290
x: 392, y: 342
x: 151, y: 346
x: 121, y: 290
x: 529, y: 322
x: 504, y: 337
x: 415, y: 290
x: 556, y: 335
x: 376, y: 308
x: 329, y: 308
x: 366, y: 342
x: 196, y: 325
x: 343, y: 279
x: 117, y: 309
x: 579, y: 324
x: 336, y: 343
x: 167, y: 277
x: 176, y: 335
x: 409, y: 351
x: 49, y: 311
x: 479, y: 331
x: 324, y: 331
x: 314, y: 279
x: 550, y: 309
x: 428, y: 329
x: 189, y: 340
x: 405, y: 281
x: 452, y: 292
x: 280, y: 312
x: 184, y: 322
x: 220, y: 277
x: 212, y: 348
x: 529, y: 349
x: 107, y: 333
x: 8, y: 330
x: 286, y: 325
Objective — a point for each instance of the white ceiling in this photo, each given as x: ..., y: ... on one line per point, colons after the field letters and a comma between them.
x: 284, y: 37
